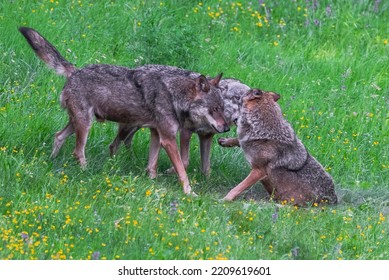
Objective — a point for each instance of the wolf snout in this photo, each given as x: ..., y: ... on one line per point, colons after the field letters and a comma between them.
x: 221, y: 128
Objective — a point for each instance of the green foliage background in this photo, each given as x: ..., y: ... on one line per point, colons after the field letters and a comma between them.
x: 327, y: 59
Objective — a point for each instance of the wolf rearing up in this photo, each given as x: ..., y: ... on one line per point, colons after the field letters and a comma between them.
x: 277, y: 157
x: 164, y: 103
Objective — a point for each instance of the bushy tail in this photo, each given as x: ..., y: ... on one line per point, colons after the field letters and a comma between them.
x: 47, y: 52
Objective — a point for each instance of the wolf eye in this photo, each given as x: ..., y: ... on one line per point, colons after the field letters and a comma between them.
x: 257, y: 92
x: 215, y: 109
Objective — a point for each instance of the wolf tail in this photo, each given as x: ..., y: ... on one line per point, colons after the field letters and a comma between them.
x: 47, y: 52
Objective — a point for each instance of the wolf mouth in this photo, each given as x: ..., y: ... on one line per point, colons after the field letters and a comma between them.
x: 214, y: 127
x: 221, y: 130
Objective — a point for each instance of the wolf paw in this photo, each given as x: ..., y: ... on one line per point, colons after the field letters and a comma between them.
x: 152, y: 173
x: 228, y: 142
x: 171, y: 170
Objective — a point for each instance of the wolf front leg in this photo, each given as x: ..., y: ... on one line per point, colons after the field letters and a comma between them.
x: 185, y: 136
x: 205, y: 153
x: 169, y: 143
x: 228, y: 142
x: 254, y: 176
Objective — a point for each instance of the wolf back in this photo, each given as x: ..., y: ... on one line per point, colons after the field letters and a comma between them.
x: 139, y: 98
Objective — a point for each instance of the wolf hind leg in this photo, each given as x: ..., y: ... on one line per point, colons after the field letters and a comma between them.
x: 254, y: 176
x: 125, y: 133
x: 128, y: 139
x: 155, y: 146
x: 60, y: 138
x: 82, y: 126
x: 81, y: 138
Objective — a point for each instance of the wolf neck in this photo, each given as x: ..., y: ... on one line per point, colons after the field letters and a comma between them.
x: 181, y: 107
x: 265, y: 123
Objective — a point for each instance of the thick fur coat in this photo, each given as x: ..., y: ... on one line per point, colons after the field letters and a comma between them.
x: 277, y: 156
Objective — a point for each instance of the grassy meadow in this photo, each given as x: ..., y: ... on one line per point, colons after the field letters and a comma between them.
x: 328, y: 59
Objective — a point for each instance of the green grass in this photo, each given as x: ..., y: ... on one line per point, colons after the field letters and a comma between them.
x: 330, y: 65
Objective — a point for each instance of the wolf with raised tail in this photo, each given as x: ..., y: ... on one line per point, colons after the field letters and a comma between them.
x: 163, y: 102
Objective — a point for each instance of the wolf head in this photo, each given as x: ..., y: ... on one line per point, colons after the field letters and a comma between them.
x: 258, y: 103
x: 232, y: 91
x: 259, y: 108
x: 207, y: 108
x: 258, y: 96
x: 261, y: 117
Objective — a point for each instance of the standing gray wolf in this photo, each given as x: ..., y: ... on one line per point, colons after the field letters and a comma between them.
x: 162, y: 102
x: 277, y: 157
x: 232, y: 90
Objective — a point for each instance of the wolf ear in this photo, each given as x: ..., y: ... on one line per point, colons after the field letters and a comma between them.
x: 215, y: 81
x: 202, y: 84
x: 276, y: 96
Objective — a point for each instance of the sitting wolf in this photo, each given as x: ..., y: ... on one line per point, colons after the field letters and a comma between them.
x: 277, y: 157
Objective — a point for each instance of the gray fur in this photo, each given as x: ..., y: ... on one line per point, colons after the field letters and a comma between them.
x: 286, y: 168
x: 47, y: 52
x: 231, y: 89
x: 138, y: 98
